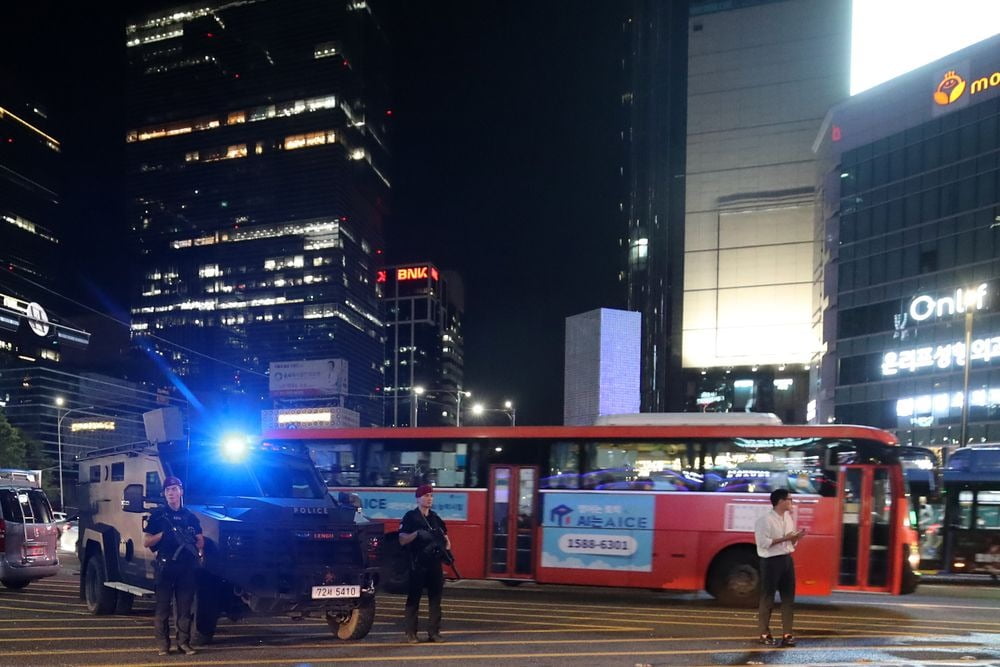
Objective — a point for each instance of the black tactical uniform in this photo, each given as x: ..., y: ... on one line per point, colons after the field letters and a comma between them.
x: 176, y: 567
x: 425, y: 568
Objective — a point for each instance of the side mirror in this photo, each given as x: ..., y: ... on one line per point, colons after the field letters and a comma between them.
x: 132, y: 499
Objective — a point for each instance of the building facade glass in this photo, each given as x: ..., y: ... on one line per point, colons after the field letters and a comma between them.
x: 912, y: 221
x: 258, y: 178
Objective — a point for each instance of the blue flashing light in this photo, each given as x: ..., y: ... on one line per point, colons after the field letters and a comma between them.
x: 234, y: 448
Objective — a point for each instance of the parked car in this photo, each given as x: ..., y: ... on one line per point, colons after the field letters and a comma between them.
x: 28, y: 533
x: 68, y: 531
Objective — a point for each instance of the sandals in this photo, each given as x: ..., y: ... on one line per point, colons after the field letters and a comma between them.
x: 788, y: 640
x: 766, y: 640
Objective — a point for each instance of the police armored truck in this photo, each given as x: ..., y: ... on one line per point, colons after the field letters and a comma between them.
x: 275, y: 540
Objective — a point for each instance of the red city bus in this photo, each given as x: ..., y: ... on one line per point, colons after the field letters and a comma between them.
x: 650, y: 506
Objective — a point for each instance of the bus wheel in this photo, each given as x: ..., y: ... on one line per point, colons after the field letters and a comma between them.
x: 734, y: 578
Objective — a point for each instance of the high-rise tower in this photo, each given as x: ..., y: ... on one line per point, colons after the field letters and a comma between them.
x: 258, y: 183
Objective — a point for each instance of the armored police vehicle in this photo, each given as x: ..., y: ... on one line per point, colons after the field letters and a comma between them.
x: 275, y: 540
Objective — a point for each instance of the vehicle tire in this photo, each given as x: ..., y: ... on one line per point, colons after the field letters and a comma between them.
x: 123, y: 603
x: 734, y: 578
x: 100, y: 599
x: 15, y: 584
x: 358, y: 623
x: 206, y: 610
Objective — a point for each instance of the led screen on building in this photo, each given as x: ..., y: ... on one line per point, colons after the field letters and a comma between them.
x: 892, y: 37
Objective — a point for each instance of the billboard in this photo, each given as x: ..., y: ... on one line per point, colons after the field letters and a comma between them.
x: 892, y: 37
x: 314, y: 377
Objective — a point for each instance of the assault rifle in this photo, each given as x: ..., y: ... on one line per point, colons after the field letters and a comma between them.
x: 438, y: 548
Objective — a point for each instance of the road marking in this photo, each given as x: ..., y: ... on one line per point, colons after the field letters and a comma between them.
x: 469, y: 657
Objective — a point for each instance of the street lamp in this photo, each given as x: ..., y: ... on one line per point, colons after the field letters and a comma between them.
x: 511, y: 412
x: 478, y: 409
x: 59, y: 403
x: 458, y: 393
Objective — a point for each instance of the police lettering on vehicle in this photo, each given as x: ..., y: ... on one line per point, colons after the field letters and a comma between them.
x: 310, y: 510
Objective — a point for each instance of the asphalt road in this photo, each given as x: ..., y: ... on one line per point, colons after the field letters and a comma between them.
x: 486, y: 623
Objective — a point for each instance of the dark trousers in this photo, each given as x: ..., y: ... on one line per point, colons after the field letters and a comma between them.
x: 431, y: 578
x: 777, y: 573
x: 174, y: 582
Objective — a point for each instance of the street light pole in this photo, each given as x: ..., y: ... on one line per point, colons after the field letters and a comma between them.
x: 59, y: 421
x: 511, y: 412
x: 965, y: 376
x: 415, y: 393
x: 458, y: 407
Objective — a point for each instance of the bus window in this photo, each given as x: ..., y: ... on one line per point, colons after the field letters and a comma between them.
x: 988, y: 510
x: 442, y: 464
x: 965, y: 503
x: 564, y: 465
x: 655, y: 466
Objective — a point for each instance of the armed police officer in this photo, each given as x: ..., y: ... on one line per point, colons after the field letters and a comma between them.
x: 423, y: 532
x: 173, y: 533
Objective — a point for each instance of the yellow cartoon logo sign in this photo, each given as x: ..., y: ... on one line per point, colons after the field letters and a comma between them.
x: 950, y: 89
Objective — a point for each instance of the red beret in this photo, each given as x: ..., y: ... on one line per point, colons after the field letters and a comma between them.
x: 423, y: 490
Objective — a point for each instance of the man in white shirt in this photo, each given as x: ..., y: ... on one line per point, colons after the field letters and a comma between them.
x: 776, y: 538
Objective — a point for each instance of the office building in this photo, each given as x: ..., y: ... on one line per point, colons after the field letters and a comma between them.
x: 760, y: 76
x: 31, y: 329
x: 602, y: 370
x: 911, y: 215
x: 69, y: 414
x: 258, y: 183
x: 424, y: 364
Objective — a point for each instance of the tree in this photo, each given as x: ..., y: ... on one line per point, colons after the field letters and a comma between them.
x: 13, y: 448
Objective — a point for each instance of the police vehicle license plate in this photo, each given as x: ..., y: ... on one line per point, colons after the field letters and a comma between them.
x: 320, y: 592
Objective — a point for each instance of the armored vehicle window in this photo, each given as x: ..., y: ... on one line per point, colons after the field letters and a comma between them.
x: 287, y: 479
x: 95, y: 474
x: 118, y: 472
x: 224, y: 480
x: 153, y: 485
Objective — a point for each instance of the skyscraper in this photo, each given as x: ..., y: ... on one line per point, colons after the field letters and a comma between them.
x: 423, y: 310
x: 655, y: 110
x: 741, y: 255
x: 258, y: 183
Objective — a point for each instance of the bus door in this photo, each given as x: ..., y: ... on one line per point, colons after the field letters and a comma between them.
x: 510, y: 546
x: 868, y: 557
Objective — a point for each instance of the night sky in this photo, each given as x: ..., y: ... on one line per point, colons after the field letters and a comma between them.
x: 506, y: 157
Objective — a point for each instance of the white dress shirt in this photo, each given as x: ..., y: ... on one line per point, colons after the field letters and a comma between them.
x: 770, y: 527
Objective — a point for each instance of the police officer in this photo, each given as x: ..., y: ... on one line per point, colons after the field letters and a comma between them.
x: 173, y: 533
x: 423, y: 532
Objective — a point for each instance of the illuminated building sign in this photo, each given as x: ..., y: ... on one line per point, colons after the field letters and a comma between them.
x: 924, y: 307
x: 380, y: 276
x: 305, y: 417
x: 416, y: 273
x: 954, y: 89
x: 950, y: 89
x: 92, y: 426
x: 943, y: 357
x: 923, y: 410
